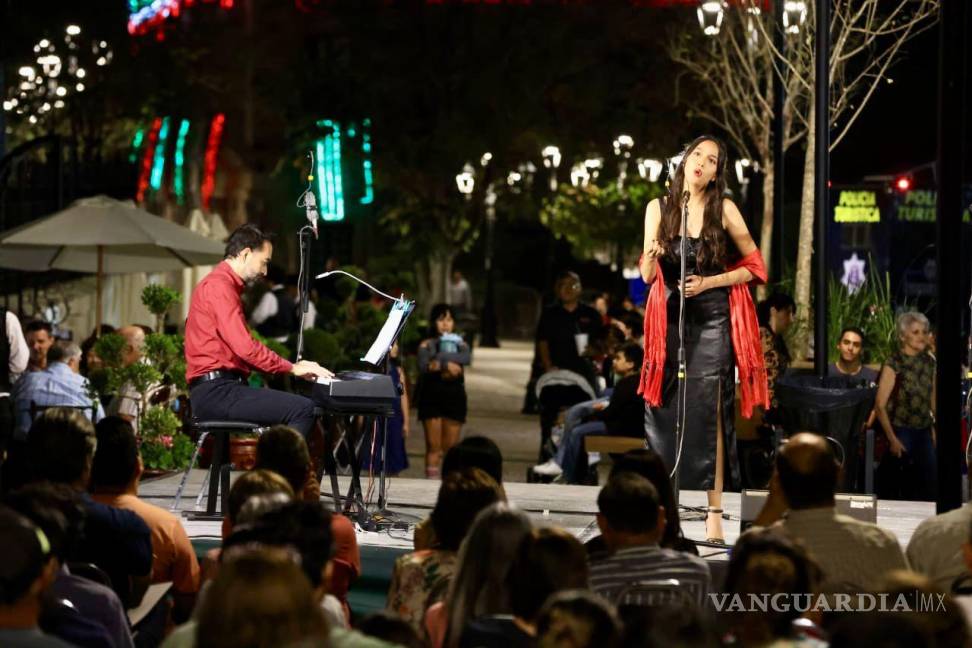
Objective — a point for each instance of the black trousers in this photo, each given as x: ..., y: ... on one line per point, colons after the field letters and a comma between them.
x: 225, y: 399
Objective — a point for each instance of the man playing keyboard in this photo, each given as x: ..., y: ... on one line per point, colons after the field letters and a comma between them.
x: 221, y: 353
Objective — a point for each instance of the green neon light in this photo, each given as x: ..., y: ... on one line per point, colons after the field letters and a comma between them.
x: 136, y: 144
x: 369, y: 183
x: 158, y: 164
x: 178, y: 183
x: 329, y: 180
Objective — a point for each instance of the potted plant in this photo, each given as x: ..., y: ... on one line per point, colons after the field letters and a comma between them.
x: 159, y: 299
x: 163, y: 446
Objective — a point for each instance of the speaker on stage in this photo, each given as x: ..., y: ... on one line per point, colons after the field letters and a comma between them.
x: 859, y: 507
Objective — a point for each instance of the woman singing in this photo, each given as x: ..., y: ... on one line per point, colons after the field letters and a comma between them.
x: 721, y: 331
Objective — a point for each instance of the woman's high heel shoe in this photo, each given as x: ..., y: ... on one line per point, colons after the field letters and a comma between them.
x: 718, y: 511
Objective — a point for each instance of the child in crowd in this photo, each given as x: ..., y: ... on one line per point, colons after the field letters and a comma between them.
x: 441, y: 390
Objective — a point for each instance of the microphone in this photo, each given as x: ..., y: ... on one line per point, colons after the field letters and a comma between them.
x: 310, y: 210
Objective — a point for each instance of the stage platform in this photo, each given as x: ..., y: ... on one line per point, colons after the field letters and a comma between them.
x: 570, y: 507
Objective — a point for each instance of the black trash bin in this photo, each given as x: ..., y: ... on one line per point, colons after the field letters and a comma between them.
x: 833, y: 407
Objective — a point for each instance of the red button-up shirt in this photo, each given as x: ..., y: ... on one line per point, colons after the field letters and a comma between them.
x: 217, y: 337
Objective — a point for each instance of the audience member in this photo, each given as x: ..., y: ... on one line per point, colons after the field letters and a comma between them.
x: 548, y: 560
x: 262, y: 599
x: 622, y: 415
x: 115, y: 475
x: 775, y: 314
x: 941, y: 548
x: 632, y: 522
x: 58, y: 384
x: 60, y: 449
x: 850, y: 362
x: 906, y: 410
x: 478, y: 587
x: 40, y: 338
x: 668, y: 625
x: 26, y: 573
x: 128, y: 401
x: 14, y: 355
x: 934, y: 608
x: 884, y: 629
x: 283, y: 450
x: 251, y: 484
x: 421, y: 575
x: 460, y: 295
x: 391, y: 628
x: 578, y: 619
x: 441, y: 401
x: 764, y: 563
x: 472, y: 452
x: 57, y: 511
x: 852, y: 554
x: 90, y: 360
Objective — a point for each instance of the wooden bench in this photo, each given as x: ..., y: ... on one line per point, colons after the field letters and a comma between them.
x: 612, y: 444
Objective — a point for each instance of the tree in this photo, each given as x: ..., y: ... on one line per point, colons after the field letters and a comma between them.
x: 734, y: 71
x: 867, y: 37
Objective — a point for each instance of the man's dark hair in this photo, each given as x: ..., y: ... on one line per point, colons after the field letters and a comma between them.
x: 634, y: 354
x: 60, y: 445
x: 812, y: 488
x: 392, y: 628
x: 116, y: 459
x: 462, y: 495
x: 38, y: 325
x: 475, y: 452
x: 24, y: 555
x: 56, y: 509
x: 629, y: 503
x: 305, y: 526
x: 650, y: 465
x: 251, y: 483
x: 283, y: 450
x: 246, y: 236
x: 852, y: 329
x: 579, y: 616
x: 635, y: 323
x: 779, y: 301
x: 548, y: 560
x: 438, y: 312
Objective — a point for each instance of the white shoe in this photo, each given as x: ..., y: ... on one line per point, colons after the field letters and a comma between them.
x: 550, y: 468
x: 593, y: 458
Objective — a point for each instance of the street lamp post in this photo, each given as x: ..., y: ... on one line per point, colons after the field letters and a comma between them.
x: 488, y: 337
x: 551, y: 160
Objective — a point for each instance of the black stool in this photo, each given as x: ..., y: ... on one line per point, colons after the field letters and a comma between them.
x: 218, y: 477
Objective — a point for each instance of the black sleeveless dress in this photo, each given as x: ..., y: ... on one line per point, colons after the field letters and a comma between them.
x: 710, y: 380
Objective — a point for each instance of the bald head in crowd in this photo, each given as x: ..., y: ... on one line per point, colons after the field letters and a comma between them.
x: 134, y: 344
x: 808, y: 471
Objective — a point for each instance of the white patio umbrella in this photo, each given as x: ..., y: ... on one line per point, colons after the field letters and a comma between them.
x: 102, y: 235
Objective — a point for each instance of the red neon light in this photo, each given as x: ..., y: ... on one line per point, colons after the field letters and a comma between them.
x: 146, y: 173
x: 209, y: 162
x: 903, y: 183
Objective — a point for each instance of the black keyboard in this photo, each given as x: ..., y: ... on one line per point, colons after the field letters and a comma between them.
x: 357, y: 392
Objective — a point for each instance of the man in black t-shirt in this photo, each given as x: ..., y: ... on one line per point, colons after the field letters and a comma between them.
x: 566, y: 328
x: 850, y: 364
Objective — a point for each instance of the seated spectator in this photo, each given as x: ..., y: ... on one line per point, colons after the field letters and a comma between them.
x: 57, y: 511
x: 668, y: 625
x: 853, y: 554
x: 127, y: 403
x: 419, y: 576
x: 632, y: 522
x: 776, y: 314
x: 40, y: 338
x: 766, y: 562
x: 60, y: 449
x: 261, y: 598
x: 479, y: 587
x: 59, y: 383
x: 115, y: 474
x: 26, y: 573
x: 391, y: 628
x: 623, y: 415
x: 547, y: 561
x: 850, y: 363
x: 283, y: 450
x: 945, y: 619
x: 90, y: 360
x: 649, y: 464
x: 941, y: 548
x: 578, y: 619
x: 472, y: 452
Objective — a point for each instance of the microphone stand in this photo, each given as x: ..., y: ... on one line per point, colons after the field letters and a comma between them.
x: 303, y: 284
x: 680, y: 394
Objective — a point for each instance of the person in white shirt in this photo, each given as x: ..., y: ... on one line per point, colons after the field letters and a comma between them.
x: 275, y: 314
x: 14, y: 355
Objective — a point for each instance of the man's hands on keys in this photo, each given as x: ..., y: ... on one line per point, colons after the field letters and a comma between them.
x: 310, y: 370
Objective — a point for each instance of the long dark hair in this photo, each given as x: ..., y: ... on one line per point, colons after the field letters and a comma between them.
x: 712, y: 251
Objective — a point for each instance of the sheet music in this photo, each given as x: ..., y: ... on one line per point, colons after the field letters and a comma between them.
x: 386, y: 336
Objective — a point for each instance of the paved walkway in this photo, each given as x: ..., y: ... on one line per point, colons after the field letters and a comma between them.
x: 495, y: 384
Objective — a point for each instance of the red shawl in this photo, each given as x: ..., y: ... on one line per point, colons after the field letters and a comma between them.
x: 745, y: 338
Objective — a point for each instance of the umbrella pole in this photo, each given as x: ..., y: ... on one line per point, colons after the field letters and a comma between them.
x: 101, y: 269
